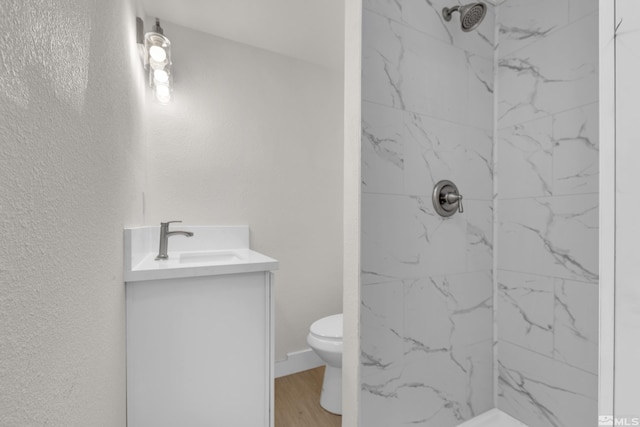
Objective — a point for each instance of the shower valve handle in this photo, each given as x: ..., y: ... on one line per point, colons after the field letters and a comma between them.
x: 452, y: 198
x: 447, y: 200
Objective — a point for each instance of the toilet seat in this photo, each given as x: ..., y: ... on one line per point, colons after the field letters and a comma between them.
x: 328, y: 328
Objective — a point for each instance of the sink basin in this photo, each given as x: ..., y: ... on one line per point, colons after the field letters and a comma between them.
x: 210, y: 257
x: 213, y: 250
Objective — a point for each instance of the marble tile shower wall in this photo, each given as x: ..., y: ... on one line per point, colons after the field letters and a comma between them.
x: 547, y: 211
x: 427, y: 298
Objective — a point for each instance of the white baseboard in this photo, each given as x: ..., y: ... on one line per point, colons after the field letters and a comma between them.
x: 297, y: 361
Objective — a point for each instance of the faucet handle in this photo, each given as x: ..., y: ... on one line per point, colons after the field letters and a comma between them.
x: 453, y: 198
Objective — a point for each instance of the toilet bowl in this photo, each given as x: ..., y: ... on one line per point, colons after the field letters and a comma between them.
x: 325, y: 338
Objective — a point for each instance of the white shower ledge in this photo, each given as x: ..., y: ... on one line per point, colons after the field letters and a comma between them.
x: 493, y: 418
x: 213, y: 250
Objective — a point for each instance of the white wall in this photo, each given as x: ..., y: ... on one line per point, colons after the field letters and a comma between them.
x: 70, y: 180
x: 607, y: 200
x: 627, y: 203
x: 352, y: 194
x: 253, y: 137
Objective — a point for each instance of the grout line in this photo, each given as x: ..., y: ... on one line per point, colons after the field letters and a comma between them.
x: 404, y: 110
x: 495, y: 199
x: 549, y: 357
x: 547, y: 276
x: 548, y: 115
x: 554, y: 31
x: 431, y: 36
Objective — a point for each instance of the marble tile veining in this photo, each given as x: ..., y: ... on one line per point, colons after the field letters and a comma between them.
x: 426, y: 17
x: 551, y: 236
x: 523, y: 22
x: 403, y: 238
x: 435, y: 87
x: 416, y: 369
x: 479, y: 234
x: 430, y: 93
x: 525, y: 311
x: 553, y: 155
x: 407, y: 69
x: 576, y: 324
x: 383, y: 153
x: 408, y: 153
x: 556, y: 73
x: 382, y: 52
x: 439, y: 388
x: 436, y: 149
x: 382, y: 330
x: 542, y: 392
x: 547, y: 211
x: 391, y: 9
x: 525, y: 153
x: 465, y: 300
x: 552, y: 317
x: 575, y: 152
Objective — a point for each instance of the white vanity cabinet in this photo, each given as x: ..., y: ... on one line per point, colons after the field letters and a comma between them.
x: 200, y: 349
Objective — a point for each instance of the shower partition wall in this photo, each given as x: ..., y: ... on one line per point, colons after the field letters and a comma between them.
x: 427, y: 285
x: 429, y: 351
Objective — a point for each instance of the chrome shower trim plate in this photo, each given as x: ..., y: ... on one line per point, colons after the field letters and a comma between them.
x: 446, y: 198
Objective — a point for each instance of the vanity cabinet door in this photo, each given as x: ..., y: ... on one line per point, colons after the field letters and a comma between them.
x: 199, y: 351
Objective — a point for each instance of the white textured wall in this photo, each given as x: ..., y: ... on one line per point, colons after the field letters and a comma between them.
x: 70, y: 162
x: 255, y: 138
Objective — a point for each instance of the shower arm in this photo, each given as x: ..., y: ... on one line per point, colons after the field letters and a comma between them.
x: 448, y: 11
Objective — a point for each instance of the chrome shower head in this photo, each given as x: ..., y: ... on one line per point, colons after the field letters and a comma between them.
x: 471, y: 15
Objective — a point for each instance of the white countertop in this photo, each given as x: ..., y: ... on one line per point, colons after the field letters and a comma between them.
x: 213, y: 250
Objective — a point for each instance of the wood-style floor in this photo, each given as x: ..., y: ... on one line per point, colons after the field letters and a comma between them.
x: 297, y: 401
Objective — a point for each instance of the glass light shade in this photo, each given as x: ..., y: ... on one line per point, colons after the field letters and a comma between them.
x: 160, y: 77
x: 158, y: 62
x: 158, y: 51
x: 163, y: 93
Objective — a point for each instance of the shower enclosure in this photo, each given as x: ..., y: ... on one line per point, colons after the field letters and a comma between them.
x: 496, y: 306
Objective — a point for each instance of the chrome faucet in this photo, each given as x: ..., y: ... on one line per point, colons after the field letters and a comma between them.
x: 164, y: 238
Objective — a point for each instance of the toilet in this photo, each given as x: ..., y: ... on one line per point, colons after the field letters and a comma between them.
x: 325, y: 338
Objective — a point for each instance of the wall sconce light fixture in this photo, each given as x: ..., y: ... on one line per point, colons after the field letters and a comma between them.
x: 155, y: 50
